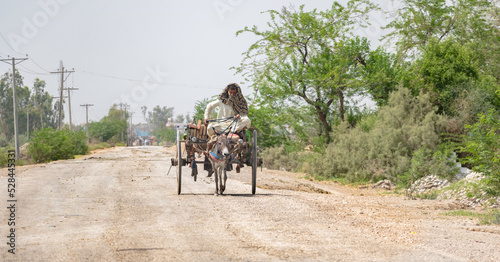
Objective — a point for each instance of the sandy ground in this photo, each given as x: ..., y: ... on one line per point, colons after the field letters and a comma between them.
x: 119, y: 205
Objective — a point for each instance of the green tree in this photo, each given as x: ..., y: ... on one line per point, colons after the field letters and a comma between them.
x: 110, y: 127
x: 159, y: 116
x: 309, y: 58
x: 6, y: 104
x: 199, y: 109
x: 40, y: 107
x: 421, y: 20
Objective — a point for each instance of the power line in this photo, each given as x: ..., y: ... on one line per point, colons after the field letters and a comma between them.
x: 29, y: 71
x: 8, y: 44
x: 150, y: 82
x: 34, y: 62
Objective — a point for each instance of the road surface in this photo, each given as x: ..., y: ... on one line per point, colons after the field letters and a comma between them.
x: 119, y: 204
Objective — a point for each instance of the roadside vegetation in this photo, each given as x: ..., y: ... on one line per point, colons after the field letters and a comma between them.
x: 488, y: 217
x: 437, y: 94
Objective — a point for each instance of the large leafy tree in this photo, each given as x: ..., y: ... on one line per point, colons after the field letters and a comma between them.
x: 40, y: 107
x: 159, y: 116
x: 309, y: 58
x: 450, y: 49
x: 418, y: 21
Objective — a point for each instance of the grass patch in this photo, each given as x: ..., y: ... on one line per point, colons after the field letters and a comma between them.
x: 433, y: 194
x: 101, y: 145
x: 488, y: 217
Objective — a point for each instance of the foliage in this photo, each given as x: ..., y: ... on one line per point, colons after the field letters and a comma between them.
x: 3, y: 157
x: 380, y: 75
x: 110, y: 127
x: 420, y: 20
x: 446, y: 68
x: 268, y: 124
x: 38, y: 103
x: 309, y: 58
x: 425, y: 162
x: 402, y: 127
x: 279, y: 158
x: 159, y: 116
x: 491, y: 216
x: 48, y: 144
x: 482, y: 143
x: 199, y: 109
x: 166, y: 134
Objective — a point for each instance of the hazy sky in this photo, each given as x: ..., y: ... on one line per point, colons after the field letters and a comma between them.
x: 149, y: 52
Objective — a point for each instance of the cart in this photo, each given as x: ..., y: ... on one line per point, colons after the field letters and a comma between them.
x: 193, y: 138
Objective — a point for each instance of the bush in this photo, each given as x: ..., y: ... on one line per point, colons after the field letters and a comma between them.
x: 424, y: 162
x: 482, y: 145
x: 402, y: 127
x: 278, y: 158
x: 165, y: 134
x: 48, y: 144
x: 3, y: 157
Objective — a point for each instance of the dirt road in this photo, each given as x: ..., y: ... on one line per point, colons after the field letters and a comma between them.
x: 119, y: 204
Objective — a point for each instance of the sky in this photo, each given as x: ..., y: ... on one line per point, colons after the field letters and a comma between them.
x: 144, y: 53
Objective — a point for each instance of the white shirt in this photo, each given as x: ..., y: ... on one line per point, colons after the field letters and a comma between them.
x: 224, y: 110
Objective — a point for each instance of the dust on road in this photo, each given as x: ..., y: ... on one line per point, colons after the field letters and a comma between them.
x: 119, y: 205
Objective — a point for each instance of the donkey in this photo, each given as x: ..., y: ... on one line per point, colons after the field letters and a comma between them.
x: 219, y: 156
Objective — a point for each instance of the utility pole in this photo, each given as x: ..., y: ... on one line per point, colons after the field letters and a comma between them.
x: 87, y: 119
x: 61, y: 71
x: 28, y: 122
x: 125, y: 107
x: 14, y: 94
x: 130, y: 136
x: 69, y: 104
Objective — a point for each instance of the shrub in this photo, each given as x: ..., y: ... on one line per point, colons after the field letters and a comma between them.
x: 278, y: 158
x: 482, y: 144
x: 48, y: 144
x: 402, y: 127
x: 424, y: 162
x: 3, y: 157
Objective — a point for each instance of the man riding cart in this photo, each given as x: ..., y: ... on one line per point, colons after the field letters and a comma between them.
x: 231, y: 119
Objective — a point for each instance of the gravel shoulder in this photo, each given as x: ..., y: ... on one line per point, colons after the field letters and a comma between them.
x: 119, y: 204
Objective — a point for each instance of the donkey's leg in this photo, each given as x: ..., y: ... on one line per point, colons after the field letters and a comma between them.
x: 223, y: 182
x: 216, y: 171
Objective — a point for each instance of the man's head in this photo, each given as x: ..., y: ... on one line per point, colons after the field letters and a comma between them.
x: 232, y: 90
x: 232, y: 96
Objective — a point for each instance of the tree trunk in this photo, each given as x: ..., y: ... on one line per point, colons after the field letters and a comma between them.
x: 341, y: 107
x: 326, y: 126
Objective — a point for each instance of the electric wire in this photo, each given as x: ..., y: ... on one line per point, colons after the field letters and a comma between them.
x: 150, y: 82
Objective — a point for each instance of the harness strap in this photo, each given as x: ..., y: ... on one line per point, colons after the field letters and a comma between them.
x: 216, y: 157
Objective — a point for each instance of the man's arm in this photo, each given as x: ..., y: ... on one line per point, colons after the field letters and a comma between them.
x: 210, y: 107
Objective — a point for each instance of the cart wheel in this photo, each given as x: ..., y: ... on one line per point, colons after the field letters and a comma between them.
x: 254, y: 161
x: 179, y: 161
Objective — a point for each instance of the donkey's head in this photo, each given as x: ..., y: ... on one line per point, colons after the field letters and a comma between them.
x: 223, y: 146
